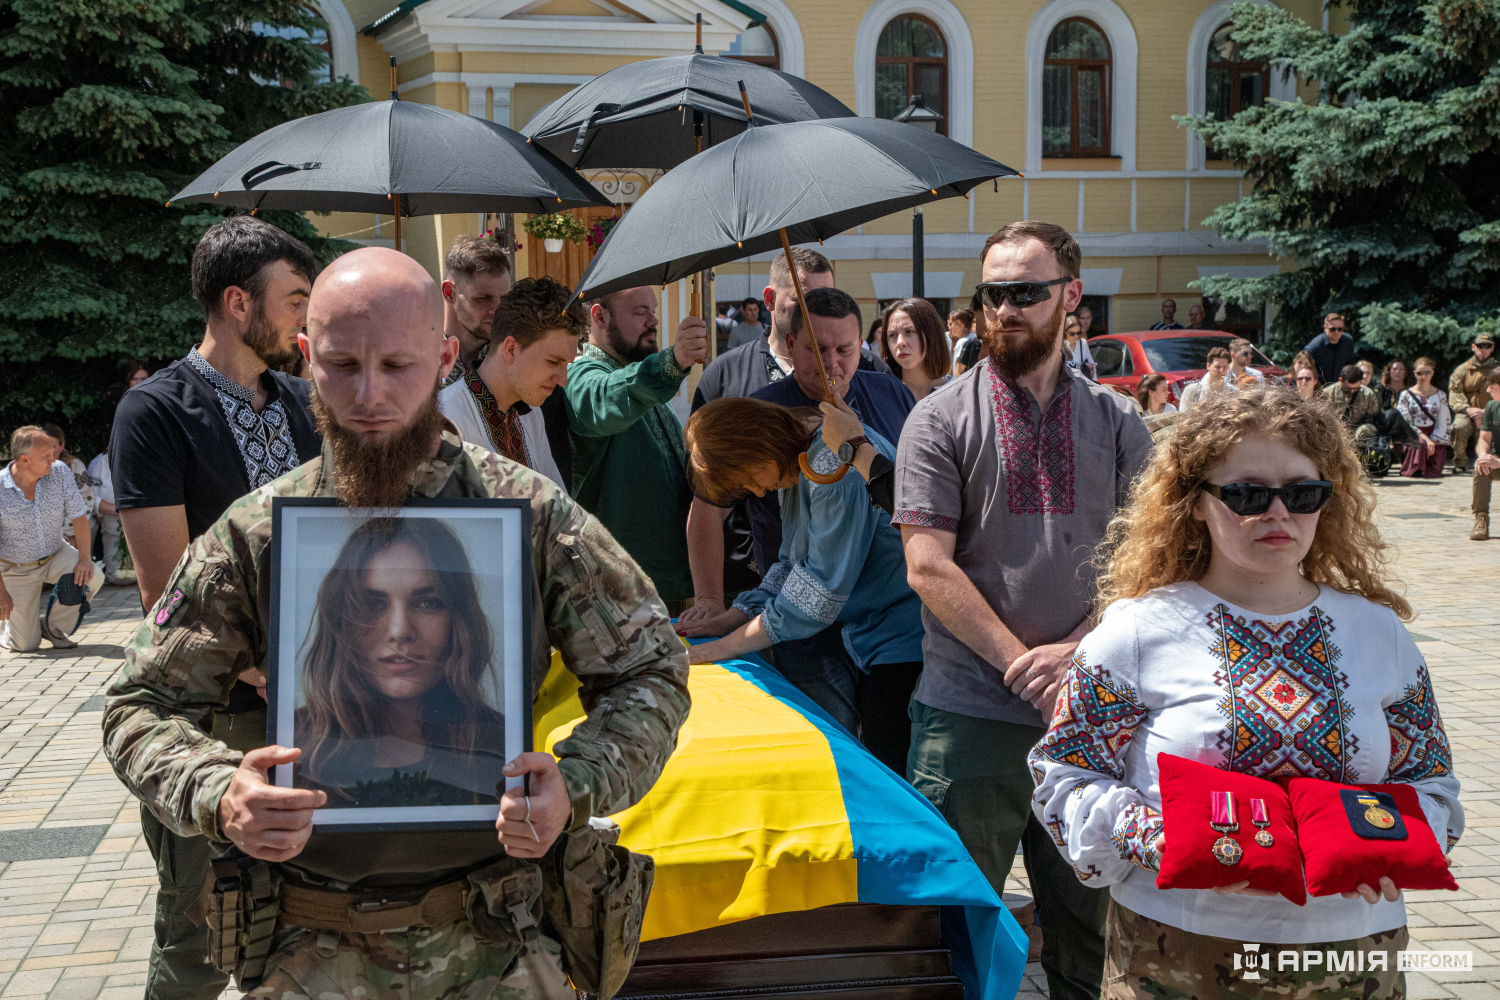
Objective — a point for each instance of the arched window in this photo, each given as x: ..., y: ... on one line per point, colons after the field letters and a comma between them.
x: 757, y: 45
x: 911, y: 58
x: 1076, y: 84
x: 319, y: 39
x: 1233, y: 82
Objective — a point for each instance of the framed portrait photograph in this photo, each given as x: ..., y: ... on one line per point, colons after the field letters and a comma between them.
x: 400, y: 657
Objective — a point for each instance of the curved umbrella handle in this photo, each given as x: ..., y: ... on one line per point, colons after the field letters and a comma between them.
x: 825, y: 479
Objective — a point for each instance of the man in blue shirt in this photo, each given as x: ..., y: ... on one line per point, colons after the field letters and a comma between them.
x: 820, y: 666
x: 1332, y: 350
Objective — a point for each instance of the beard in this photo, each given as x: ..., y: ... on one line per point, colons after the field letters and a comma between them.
x: 1015, y: 356
x: 627, y: 352
x: 265, y: 340
x: 377, y: 474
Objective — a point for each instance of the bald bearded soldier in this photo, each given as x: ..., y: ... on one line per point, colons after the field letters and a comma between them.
x: 402, y: 915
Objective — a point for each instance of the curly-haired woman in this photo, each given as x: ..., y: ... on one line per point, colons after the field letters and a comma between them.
x: 1248, y: 624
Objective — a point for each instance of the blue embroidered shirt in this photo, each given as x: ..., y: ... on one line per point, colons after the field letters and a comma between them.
x: 841, y: 560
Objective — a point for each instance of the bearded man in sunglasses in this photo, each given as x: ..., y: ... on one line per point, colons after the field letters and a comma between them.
x: 1005, y: 481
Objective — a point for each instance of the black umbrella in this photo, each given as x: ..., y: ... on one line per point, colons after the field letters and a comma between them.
x: 643, y: 114
x: 798, y: 182
x: 393, y: 158
x: 770, y: 187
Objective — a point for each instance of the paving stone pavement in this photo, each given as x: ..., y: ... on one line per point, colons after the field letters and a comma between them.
x: 79, y: 927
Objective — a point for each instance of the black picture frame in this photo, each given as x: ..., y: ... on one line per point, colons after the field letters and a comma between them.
x: 279, y: 672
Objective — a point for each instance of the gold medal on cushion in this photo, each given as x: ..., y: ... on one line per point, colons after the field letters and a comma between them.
x: 1225, y: 850
x: 1376, y: 816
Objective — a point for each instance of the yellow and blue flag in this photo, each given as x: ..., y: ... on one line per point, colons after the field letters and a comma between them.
x: 769, y: 806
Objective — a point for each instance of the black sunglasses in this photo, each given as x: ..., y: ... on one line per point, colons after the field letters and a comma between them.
x: 1250, y: 499
x: 1022, y: 294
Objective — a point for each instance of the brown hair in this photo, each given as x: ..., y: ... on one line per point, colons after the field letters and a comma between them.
x: 1146, y: 387
x: 964, y: 316
x: 1055, y: 238
x: 729, y: 439
x: 938, y: 360
x: 1155, y: 540
x: 57, y: 433
x: 536, y: 307
x: 23, y: 439
x: 474, y: 255
x: 1333, y: 316
x: 342, y: 707
x: 1423, y: 361
x: 1237, y: 343
x: 1305, y: 360
x: 1493, y: 378
x: 807, y: 261
x: 1216, y: 353
x: 1385, y: 374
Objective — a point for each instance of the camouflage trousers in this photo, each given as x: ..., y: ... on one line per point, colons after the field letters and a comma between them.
x: 1145, y: 958
x: 449, y: 961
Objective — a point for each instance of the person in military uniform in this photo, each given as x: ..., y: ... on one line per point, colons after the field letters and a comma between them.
x: 1356, y: 405
x: 1467, y: 397
x: 393, y: 915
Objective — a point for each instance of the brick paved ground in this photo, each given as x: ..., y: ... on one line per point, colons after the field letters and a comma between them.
x: 77, y: 884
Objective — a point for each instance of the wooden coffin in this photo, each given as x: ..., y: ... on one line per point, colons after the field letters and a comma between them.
x: 856, y: 951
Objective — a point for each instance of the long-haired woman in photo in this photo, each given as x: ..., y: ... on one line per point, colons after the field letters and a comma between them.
x: 393, y: 674
x: 1249, y: 623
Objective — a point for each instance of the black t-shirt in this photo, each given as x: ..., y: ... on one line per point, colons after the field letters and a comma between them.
x: 1331, y: 358
x: 171, y: 445
x: 749, y: 368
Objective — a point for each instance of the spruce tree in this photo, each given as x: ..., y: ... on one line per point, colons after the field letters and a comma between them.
x: 1384, y: 191
x: 112, y: 106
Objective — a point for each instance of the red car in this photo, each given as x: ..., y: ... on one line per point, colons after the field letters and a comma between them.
x: 1181, y: 355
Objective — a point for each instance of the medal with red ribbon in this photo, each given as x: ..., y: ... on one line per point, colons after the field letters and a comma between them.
x: 1225, y: 821
x: 1262, y: 821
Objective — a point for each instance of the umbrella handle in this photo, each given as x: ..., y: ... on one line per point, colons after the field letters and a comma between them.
x: 818, y: 477
x: 807, y: 470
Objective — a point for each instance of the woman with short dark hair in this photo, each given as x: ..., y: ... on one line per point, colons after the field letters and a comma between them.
x: 840, y: 561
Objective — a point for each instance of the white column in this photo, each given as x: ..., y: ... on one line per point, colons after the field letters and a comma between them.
x: 502, y: 108
x: 476, y: 101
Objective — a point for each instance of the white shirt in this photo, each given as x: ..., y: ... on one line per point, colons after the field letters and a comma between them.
x: 1336, y: 690
x: 457, y: 404
x: 33, y: 529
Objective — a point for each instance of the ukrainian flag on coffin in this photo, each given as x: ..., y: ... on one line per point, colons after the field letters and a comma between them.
x: 769, y: 806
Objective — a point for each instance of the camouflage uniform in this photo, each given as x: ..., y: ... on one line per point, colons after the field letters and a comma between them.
x: 591, y: 601
x: 1356, y: 411
x: 1146, y: 958
x: 1466, y: 389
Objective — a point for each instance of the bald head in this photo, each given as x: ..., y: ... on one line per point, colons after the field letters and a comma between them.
x: 377, y: 287
x: 374, y: 341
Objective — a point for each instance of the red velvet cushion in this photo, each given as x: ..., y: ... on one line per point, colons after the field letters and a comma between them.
x: 1338, y: 860
x: 1187, y: 856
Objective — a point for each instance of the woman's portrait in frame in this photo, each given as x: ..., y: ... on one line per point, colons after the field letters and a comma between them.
x: 394, y: 676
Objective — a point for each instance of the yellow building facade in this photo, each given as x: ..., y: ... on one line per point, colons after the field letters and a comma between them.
x: 1078, y: 95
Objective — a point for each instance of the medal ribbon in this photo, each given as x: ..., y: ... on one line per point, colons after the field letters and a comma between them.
x: 1223, y: 810
x: 1368, y: 801
x: 1258, y: 812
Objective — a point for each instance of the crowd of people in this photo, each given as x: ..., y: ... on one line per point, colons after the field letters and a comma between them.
x: 1017, y: 594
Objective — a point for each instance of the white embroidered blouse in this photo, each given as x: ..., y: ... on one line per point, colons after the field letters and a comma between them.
x: 1337, y: 690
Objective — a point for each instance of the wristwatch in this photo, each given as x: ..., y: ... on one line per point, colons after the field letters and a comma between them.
x: 849, y: 447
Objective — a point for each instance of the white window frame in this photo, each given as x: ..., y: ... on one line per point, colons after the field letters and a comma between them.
x: 956, y: 37
x: 342, y: 37
x: 1123, y: 51
x: 783, y: 24
x: 1283, y: 85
